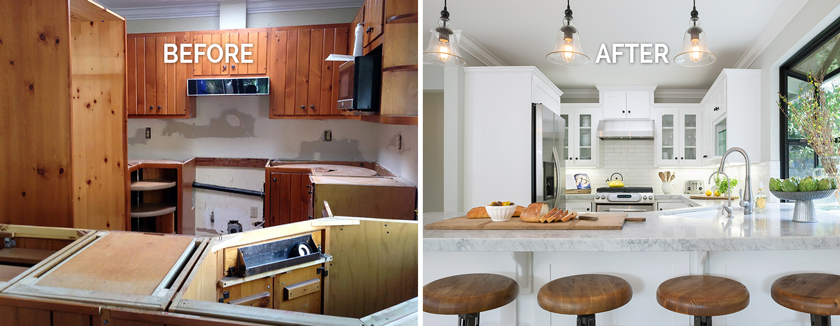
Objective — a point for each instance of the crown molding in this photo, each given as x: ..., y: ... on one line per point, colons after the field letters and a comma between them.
x: 593, y: 93
x: 777, y: 24
x: 212, y: 9
x: 471, y: 46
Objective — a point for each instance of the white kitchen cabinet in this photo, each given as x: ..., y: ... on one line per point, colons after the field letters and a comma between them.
x: 581, y: 146
x: 730, y: 115
x: 677, y: 141
x: 661, y: 206
x: 626, y: 101
x: 497, y: 131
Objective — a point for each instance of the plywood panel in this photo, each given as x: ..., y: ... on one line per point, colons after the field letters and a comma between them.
x: 277, y: 74
x: 35, y: 127
x: 367, y: 201
x: 399, y: 93
x: 310, y: 303
x: 70, y: 319
x: 250, y: 288
x: 202, y: 286
x: 291, y: 73
x: 98, y: 124
x: 302, y: 77
x: 316, y: 58
x: 374, y: 267
x: 106, y: 265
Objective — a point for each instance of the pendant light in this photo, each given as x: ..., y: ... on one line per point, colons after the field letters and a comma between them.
x: 567, y: 50
x: 443, y: 46
x: 695, y: 52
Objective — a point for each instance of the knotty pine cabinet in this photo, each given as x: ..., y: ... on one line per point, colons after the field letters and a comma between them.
x: 290, y: 197
x: 156, y: 89
x: 258, y: 37
x: 302, y: 82
x: 374, y: 23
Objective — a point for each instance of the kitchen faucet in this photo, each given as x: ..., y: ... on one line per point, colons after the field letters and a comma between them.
x: 746, y: 192
x: 727, y: 207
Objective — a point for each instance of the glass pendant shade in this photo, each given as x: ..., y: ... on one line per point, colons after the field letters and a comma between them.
x: 567, y: 50
x: 443, y: 46
x: 695, y: 52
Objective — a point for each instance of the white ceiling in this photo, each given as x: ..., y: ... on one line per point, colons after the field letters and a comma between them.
x: 157, y: 9
x: 521, y: 33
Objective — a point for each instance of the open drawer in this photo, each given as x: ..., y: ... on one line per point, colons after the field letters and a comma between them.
x: 126, y: 269
x: 366, y: 270
x: 26, y: 247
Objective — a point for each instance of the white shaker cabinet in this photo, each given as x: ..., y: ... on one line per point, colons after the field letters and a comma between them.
x: 730, y: 112
x: 626, y: 101
x: 581, y: 144
x: 677, y: 141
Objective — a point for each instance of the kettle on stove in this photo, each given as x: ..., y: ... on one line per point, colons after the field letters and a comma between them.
x: 616, y: 183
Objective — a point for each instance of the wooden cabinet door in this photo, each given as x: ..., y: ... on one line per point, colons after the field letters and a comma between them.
x: 291, y: 198
x: 135, y: 71
x: 374, y: 20
x: 301, y: 79
x: 258, y: 40
x: 203, y: 67
x: 151, y: 75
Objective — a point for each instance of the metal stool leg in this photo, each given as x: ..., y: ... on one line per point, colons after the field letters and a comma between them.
x: 702, y: 321
x: 468, y: 320
x: 586, y: 320
x: 817, y: 320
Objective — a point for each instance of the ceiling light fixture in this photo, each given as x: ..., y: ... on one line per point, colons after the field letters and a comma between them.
x: 567, y: 49
x: 443, y: 46
x: 695, y: 52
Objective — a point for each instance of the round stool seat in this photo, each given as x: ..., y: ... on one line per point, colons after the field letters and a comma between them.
x: 468, y: 294
x: 585, y: 294
x: 812, y: 293
x: 703, y: 295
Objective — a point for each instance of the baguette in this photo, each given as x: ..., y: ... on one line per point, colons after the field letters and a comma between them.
x: 518, y: 211
x: 478, y: 212
x: 534, y: 212
x: 548, y: 216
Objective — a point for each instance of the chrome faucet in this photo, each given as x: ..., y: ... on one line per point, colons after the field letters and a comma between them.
x: 746, y: 192
x: 725, y: 208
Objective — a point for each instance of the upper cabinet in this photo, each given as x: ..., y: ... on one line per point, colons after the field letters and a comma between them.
x: 732, y: 100
x: 677, y: 141
x: 256, y: 41
x: 399, y: 62
x: 301, y: 80
x: 156, y: 89
x: 630, y: 102
x: 374, y: 23
x: 581, y: 144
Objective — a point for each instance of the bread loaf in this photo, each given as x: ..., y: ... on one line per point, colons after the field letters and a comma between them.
x: 534, y: 212
x: 518, y: 211
x: 478, y: 212
x: 548, y: 216
x: 559, y: 215
x: 568, y: 217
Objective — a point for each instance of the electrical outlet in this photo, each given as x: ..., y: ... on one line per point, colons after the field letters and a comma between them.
x: 327, y: 135
x: 254, y: 212
x: 148, y: 132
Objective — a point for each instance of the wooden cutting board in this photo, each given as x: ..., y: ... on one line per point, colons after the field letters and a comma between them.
x: 606, y: 221
x: 712, y: 197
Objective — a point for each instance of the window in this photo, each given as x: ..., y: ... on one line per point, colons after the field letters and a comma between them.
x: 822, y: 54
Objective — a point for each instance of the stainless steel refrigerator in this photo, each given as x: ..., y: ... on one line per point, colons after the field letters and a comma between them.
x: 547, y: 169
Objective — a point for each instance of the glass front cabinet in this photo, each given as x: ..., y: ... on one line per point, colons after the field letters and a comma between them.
x: 677, y: 140
x: 581, y: 143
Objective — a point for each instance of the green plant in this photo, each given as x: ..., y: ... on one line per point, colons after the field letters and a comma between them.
x: 722, y: 186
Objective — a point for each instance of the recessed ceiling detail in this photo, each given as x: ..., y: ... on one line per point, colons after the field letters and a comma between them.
x: 163, y: 9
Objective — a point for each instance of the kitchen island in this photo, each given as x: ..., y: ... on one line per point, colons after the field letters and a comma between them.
x: 754, y: 250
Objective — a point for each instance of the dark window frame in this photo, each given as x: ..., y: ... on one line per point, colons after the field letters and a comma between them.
x: 785, y: 71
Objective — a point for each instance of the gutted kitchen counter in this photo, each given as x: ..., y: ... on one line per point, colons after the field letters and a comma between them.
x: 689, y: 229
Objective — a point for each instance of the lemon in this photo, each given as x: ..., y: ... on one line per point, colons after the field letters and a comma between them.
x: 708, y: 192
x: 717, y: 193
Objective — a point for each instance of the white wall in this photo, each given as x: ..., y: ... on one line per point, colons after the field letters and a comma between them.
x: 239, y: 127
x: 432, y: 151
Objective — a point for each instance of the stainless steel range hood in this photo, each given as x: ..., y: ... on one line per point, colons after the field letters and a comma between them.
x: 626, y: 129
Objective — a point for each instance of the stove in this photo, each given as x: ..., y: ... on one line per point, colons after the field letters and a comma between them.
x: 625, y: 199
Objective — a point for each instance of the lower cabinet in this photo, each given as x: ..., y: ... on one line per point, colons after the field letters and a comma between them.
x: 298, y: 290
x: 580, y: 206
x: 290, y: 198
x: 661, y: 206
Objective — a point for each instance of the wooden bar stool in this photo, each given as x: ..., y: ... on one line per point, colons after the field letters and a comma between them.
x: 812, y: 293
x: 584, y: 296
x: 703, y: 296
x: 468, y: 295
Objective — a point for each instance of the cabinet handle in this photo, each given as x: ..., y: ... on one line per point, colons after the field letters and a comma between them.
x: 151, y: 107
x: 628, y: 111
x: 676, y: 158
x: 587, y: 209
x: 576, y: 158
x: 716, y: 108
x: 370, y: 29
x: 232, y: 66
x: 622, y: 111
x: 158, y: 107
x: 224, y: 67
x: 312, y: 106
x: 570, y: 159
x: 682, y: 158
x: 274, y: 179
x: 310, y: 192
x: 303, y: 106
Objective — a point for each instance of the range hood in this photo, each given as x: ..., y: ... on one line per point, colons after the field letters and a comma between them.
x: 626, y: 129
x: 227, y: 86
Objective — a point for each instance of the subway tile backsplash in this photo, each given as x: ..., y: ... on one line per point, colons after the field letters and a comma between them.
x: 634, y: 160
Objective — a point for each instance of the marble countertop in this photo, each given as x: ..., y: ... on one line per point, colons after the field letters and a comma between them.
x: 690, y: 229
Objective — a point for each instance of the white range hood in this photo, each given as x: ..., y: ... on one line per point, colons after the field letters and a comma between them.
x: 626, y: 129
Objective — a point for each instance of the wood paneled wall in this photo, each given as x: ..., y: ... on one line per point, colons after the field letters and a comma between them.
x: 35, y: 165
x: 98, y: 124
x: 62, y: 120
